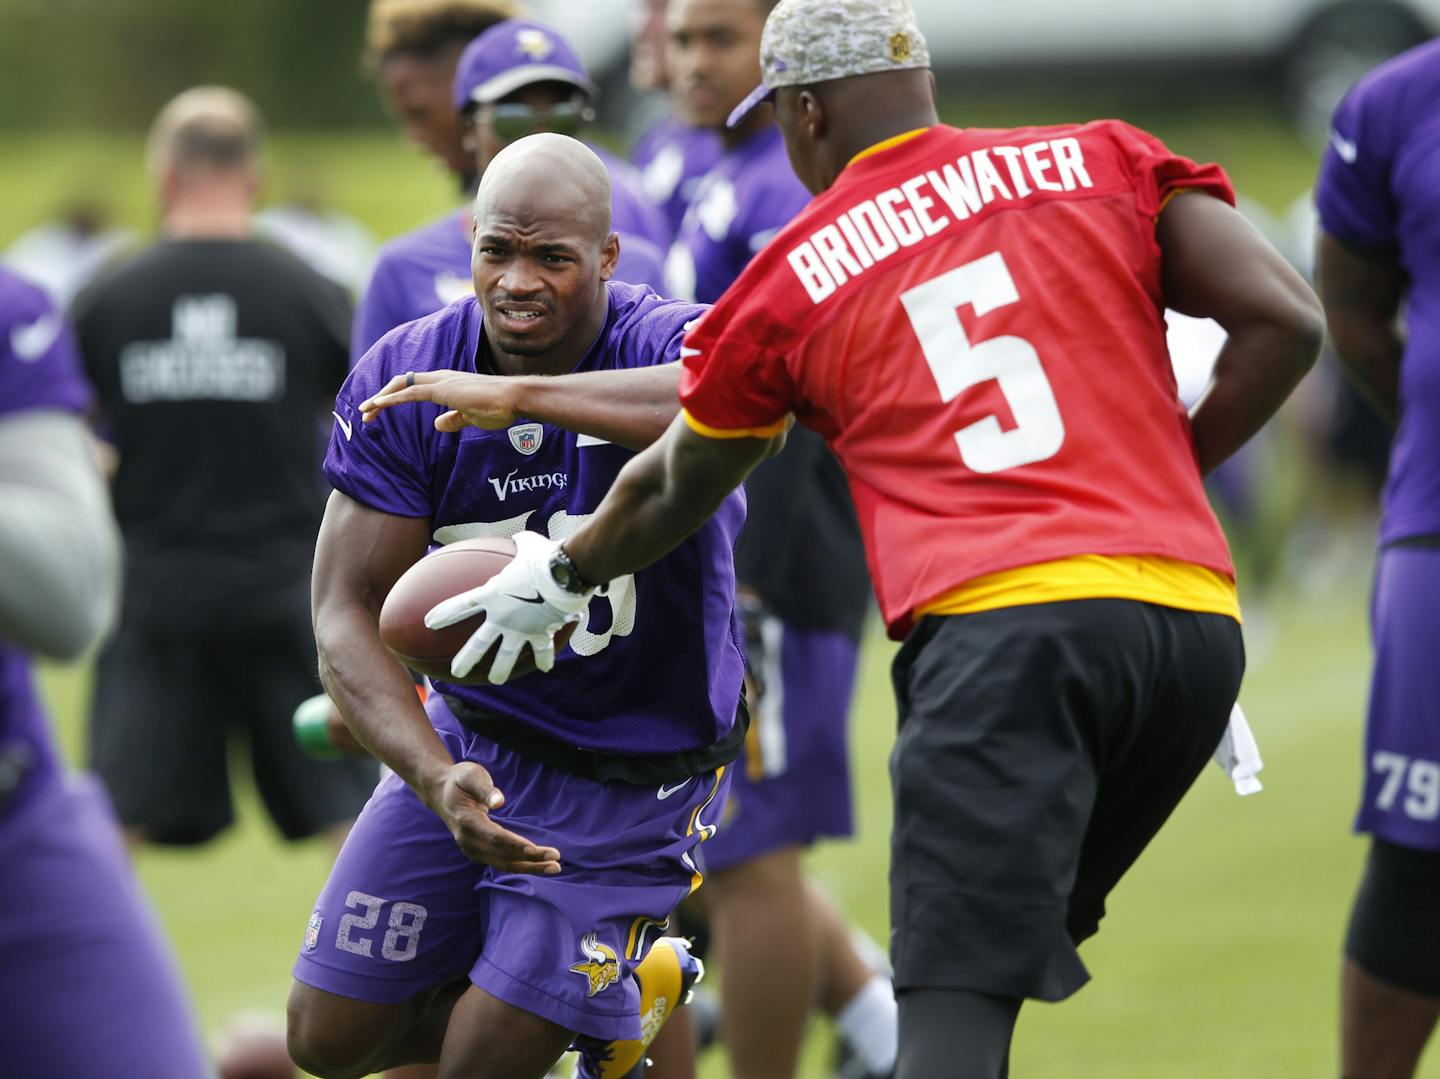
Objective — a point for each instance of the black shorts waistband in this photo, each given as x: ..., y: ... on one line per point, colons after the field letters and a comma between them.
x: 637, y: 769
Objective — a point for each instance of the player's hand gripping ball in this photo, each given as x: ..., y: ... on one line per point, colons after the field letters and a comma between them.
x: 467, y: 612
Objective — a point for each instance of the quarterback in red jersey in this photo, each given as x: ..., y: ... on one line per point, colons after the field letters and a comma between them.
x: 973, y: 321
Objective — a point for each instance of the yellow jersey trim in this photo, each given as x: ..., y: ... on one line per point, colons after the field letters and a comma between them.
x: 885, y: 144
x: 1172, y: 195
x: 778, y: 427
x: 1166, y: 582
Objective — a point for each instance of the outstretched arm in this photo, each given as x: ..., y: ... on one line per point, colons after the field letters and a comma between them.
x: 661, y: 497
x: 1216, y: 265
x: 1362, y: 293
x: 630, y: 407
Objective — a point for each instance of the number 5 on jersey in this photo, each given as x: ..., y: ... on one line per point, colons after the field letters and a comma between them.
x: 1012, y: 362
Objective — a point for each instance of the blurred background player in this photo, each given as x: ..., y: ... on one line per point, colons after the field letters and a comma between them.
x: 214, y: 356
x: 413, y: 47
x: 520, y: 78
x: 327, y: 240
x: 513, y: 79
x: 62, y: 255
x: 672, y: 154
x: 87, y: 988
x: 782, y: 946
x: 1378, y: 251
x: 497, y: 949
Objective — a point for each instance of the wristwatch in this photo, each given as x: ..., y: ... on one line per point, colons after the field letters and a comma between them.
x: 565, y: 573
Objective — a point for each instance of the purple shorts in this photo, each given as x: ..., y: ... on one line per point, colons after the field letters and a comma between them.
x: 88, y: 987
x: 404, y: 910
x: 792, y: 780
x: 1401, y: 802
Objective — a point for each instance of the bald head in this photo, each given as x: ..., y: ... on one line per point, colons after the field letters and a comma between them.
x: 543, y: 252
x: 548, y: 178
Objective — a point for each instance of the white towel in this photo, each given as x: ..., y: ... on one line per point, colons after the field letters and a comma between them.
x: 1237, y: 754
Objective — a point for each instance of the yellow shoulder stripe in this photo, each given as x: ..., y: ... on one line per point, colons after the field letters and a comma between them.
x: 769, y: 431
x: 885, y: 144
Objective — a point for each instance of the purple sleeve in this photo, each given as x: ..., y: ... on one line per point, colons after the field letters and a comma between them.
x: 382, y: 464
x: 39, y: 361
x: 632, y: 210
x: 1352, y: 195
x: 650, y: 329
x: 762, y: 217
x: 374, y: 314
x: 641, y: 263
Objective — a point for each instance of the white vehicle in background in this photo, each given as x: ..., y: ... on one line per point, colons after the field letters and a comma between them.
x: 1311, y: 50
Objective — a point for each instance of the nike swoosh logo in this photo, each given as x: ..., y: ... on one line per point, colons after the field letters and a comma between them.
x: 685, y: 352
x: 343, y: 425
x: 589, y: 440
x: 527, y: 599
x: 33, y: 340
x: 1347, y: 150
x: 665, y: 792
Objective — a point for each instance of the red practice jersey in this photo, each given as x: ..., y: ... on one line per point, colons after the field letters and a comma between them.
x: 973, y: 321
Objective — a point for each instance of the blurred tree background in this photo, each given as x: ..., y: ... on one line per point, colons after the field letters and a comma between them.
x: 111, y: 64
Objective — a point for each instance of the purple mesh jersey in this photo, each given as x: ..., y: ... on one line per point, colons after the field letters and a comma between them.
x: 673, y: 158
x: 39, y: 369
x: 747, y: 198
x: 424, y: 270
x: 415, y: 274
x: 1379, y: 189
x: 655, y: 667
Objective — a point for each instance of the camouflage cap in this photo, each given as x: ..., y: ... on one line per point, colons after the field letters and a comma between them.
x: 810, y: 41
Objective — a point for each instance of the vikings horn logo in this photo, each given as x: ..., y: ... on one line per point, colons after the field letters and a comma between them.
x: 600, y: 968
x: 535, y: 44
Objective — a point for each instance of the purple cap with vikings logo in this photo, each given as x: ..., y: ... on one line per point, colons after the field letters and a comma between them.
x: 810, y: 41
x: 513, y: 54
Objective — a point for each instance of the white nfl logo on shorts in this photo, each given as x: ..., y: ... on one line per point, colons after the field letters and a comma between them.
x: 312, y: 931
x: 526, y: 437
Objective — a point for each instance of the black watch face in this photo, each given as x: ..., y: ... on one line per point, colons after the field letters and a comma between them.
x: 564, y: 574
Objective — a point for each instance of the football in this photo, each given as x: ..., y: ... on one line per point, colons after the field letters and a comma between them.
x: 454, y: 568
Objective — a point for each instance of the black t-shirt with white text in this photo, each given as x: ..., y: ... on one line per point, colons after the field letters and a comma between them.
x: 213, y: 361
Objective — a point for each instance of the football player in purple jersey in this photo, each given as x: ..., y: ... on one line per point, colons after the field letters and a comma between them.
x: 1378, y: 251
x: 672, y: 154
x: 503, y: 890
x: 87, y: 986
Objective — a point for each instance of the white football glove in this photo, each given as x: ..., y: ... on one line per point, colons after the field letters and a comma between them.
x: 523, y: 604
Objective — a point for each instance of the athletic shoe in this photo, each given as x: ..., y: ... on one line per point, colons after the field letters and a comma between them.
x: 667, y: 978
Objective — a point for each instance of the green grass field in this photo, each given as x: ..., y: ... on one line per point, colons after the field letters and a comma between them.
x: 1220, y: 953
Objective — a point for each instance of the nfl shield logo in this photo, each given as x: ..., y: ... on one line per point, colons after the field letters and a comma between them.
x: 526, y: 437
x: 312, y: 932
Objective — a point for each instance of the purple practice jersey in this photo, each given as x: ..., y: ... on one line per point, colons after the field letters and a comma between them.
x: 415, y: 274
x: 654, y: 667
x: 1379, y: 190
x: 745, y: 200
x: 424, y: 270
x: 673, y: 158
x: 39, y: 369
